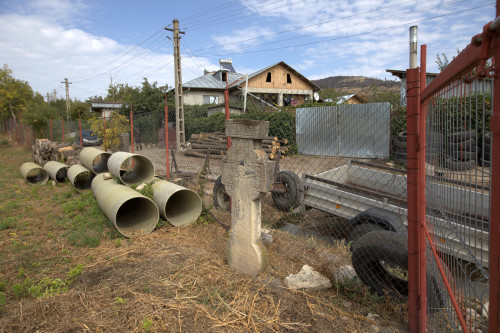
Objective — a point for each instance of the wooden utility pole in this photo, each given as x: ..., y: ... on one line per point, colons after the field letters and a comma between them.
x: 66, y: 84
x: 179, y: 103
x: 55, y: 95
x: 48, y: 100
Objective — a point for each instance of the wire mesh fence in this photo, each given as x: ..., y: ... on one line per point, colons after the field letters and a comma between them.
x: 458, y: 199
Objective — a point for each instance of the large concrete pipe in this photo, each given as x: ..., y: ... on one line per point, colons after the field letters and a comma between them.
x: 132, y: 169
x: 34, y: 174
x: 95, y: 159
x: 80, y: 177
x: 57, y: 171
x: 132, y: 213
x: 178, y: 205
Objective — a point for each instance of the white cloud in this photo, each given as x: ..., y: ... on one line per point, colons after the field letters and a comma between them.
x: 242, y: 38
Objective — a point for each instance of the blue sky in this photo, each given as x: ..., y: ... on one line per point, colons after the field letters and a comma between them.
x: 92, y: 41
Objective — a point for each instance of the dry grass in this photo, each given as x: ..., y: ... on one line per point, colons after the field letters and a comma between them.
x: 173, y: 280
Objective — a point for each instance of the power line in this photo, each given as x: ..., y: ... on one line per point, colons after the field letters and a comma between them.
x: 304, y: 27
x: 210, y: 19
x: 218, y: 21
x: 352, y: 35
x: 120, y: 56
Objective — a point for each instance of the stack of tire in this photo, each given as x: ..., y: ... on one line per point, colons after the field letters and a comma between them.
x: 485, y: 152
x: 461, y: 153
x: 399, y: 148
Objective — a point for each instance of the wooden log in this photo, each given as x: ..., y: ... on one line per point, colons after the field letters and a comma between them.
x: 190, y: 152
x: 208, y: 146
x: 211, y: 151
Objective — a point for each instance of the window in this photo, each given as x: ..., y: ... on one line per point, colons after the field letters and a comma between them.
x: 224, y: 76
x: 268, y: 79
x: 208, y: 99
x: 288, y: 78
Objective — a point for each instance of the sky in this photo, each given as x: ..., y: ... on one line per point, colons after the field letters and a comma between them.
x: 96, y: 42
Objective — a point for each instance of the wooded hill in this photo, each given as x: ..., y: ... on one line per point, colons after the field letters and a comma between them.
x: 354, y: 83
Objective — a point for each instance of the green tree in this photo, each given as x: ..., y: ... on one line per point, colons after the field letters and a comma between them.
x: 115, y: 125
x: 15, y: 95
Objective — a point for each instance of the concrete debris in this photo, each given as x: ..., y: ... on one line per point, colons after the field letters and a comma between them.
x: 308, y: 280
x: 345, y: 274
x: 267, y: 238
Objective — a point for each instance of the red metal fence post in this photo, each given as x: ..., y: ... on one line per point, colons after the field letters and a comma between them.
x: 131, y: 129
x: 62, y: 126
x: 80, y: 126
x: 104, y: 133
x: 50, y: 129
x: 226, y: 102
x: 416, y: 254
x: 494, y: 246
x: 166, y: 140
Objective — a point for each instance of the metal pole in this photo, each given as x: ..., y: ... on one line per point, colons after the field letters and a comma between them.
x: 494, y: 246
x: 245, y: 100
x: 80, y: 126
x: 422, y: 183
x: 50, y: 122
x: 62, y: 125
x: 131, y: 129
x: 413, y: 46
x: 414, y: 200
x: 226, y: 102
x: 166, y: 139
x: 104, y: 133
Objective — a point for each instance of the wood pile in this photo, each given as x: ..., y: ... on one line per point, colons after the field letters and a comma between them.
x: 45, y: 150
x: 215, y: 144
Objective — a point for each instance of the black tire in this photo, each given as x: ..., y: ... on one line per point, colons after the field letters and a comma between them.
x: 361, y: 230
x: 455, y: 165
x: 401, y: 145
x: 401, y: 136
x: 221, y: 198
x: 462, y: 136
x: 377, y: 249
x: 293, y: 189
x: 434, y: 140
x: 469, y: 145
x: 464, y: 156
x: 370, y: 251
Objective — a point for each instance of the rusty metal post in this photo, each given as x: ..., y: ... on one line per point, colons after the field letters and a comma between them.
x: 62, y: 126
x: 167, y: 166
x: 80, y: 127
x: 494, y: 246
x: 131, y: 129
x: 226, y: 105
x: 416, y: 287
x: 50, y: 129
x: 104, y: 133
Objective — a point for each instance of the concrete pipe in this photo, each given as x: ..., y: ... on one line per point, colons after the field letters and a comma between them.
x: 132, y: 169
x: 95, y: 159
x: 132, y: 213
x: 80, y: 177
x: 34, y: 174
x: 57, y: 171
x: 178, y: 205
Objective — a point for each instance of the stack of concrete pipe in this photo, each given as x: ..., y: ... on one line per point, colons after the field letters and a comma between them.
x: 132, y: 213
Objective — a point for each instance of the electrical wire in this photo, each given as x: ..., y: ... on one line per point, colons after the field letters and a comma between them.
x: 351, y: 35
x: 120, y: 56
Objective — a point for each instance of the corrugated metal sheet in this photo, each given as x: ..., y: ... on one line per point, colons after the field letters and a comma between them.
x: 357, y: 130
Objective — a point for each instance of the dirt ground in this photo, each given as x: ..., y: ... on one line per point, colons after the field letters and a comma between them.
x: 175, y: 279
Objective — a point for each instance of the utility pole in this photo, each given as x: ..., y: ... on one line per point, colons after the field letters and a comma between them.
x: 48, y: 100
x: 55, y: 95
x: 179, y: 103
x: 66, y: 83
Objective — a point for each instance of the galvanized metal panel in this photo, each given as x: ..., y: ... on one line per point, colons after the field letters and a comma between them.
x: 364, y: 130
x: 316, y: 130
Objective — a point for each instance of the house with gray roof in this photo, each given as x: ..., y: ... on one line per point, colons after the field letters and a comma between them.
x: 276, y: 85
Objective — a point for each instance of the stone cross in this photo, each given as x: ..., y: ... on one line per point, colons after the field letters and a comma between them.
x: 247, y: 175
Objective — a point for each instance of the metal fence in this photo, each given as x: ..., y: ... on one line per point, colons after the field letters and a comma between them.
x: 357, y: 130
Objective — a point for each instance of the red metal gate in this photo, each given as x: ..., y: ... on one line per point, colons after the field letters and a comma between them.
x: 453, y: 131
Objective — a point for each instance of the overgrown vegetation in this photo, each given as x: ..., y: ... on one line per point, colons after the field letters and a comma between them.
x: 110, y: 130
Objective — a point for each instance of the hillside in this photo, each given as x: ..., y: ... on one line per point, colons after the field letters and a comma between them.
x: 355, y: 83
